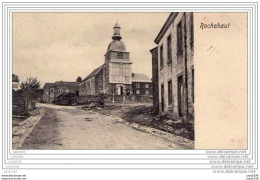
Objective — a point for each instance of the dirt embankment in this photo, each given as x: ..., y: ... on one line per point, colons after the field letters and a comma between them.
x: 143, y: 115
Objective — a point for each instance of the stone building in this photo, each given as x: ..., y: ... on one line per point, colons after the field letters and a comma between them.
x: 115, y: 76
x: 141, y: 85
x: 176, y: 66
x: 15, y: 82
x: 53, y: 90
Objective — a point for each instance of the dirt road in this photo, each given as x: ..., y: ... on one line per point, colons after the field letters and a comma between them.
x: 65, y: 127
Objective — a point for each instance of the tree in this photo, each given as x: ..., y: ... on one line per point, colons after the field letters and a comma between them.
x: 29, y: 91
x: 30, y: 84
x: 79, y: 79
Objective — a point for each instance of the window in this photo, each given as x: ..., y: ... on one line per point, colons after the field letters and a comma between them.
x: 169, y: 49
x: 170, y: 92
x: 146, y: 91
x: 137, y: 85
x: 161, y: 56
x: 179, y: 39
x: 146, y: 85
x: 193, y: 85
x: 137, y: 91
x: 90, y: 84
x: 119, y: 55
x: 192, y: 31
x: 61, y: 90
x: 52, y: 90
x: 170, y: 68
x: 162, y: 97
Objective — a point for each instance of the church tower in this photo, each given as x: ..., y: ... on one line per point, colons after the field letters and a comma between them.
x: 117, y: 75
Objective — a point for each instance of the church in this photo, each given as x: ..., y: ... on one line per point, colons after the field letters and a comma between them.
x: 115, y: 76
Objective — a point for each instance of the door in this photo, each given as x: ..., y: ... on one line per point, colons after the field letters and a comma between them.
x: 180, y: 95
x: 162, y: 97
x: 52, y: 95
x: 120, y: 90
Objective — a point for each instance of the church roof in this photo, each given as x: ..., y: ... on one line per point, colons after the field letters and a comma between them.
x: 93, y: 73
x: 136, y: 77
x: 66, y: 83
x: 60, y: 83
x: 47, y: 85
x: 116, y: 45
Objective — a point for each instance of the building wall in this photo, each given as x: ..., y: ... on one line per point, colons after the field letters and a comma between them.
x: 83, y: 88
x: 92, y: 86
x: 107, y: 90
x: 171, y: 71
x: 155, y: 79
x: 99, y: 83
x: 113, y: 55
x: 113, y: 88
x: 53, y: 91
x: 47, y: 94
x: 61, y: 89
x: 141, y: 87
x: 87, y: 87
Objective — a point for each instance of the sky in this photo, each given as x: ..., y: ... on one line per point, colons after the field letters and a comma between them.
x: 62, y: 46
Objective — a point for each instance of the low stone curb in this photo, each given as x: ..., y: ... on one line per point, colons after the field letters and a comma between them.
x: 24, y: 128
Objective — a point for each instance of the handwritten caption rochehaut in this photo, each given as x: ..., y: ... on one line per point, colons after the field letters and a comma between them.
x: 214, y: 26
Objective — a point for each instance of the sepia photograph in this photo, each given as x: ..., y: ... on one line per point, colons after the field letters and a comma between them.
x: 103, y: 81
x: 109, y: 90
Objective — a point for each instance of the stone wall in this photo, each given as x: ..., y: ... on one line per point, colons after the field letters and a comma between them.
x: 87, y: 87
x: 106, y: 79
x: 128, y: 99
x: 99, y: 83
x: 81, y: 100
x: 59, y: 88
x: 117, y: 99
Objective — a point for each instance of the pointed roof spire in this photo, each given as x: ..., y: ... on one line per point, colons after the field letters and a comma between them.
x: 117, y: 35
x: 117, y: 26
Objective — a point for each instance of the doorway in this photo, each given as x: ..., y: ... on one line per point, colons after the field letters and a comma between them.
x: 120, y: 90
x: 162, y: 97
x: 180, y: 95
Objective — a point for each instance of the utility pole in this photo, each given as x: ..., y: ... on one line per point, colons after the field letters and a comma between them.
x: 186, y: 69
x: 113, y: 93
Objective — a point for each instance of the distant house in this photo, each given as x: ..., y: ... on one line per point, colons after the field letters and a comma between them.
x: 141, y: 84
x: 53, y: 90
x: 15, y: 82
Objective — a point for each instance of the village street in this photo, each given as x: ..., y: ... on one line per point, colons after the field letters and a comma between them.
x: 70, y: 127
